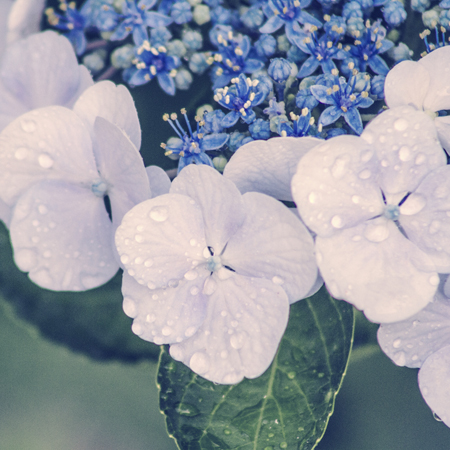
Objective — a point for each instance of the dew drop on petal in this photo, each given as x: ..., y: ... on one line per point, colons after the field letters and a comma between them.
x: 190, y: 331
x: 435, y: 226
x: 404, y: 153
x: 166, y: 331
x: 413, y: 205
x: 336, y: 222
x: 199, y: 363
x: 441, y: 192
x: 159, y: 213
x: 138, y: 260
x: 129, y: 307
x: 237, y: 340
x: 139, y: 238
x: 150, y: 318
x: 191, y: 275
x: 401, y: 124
x: 365, y: 174
x: 26, y: 259
x: 210, y: 286
x: 356, y: 199
x: 21, y: 153
x: 400, y: 359
x: 434, y: 280
x: 45, y: 161
x: 312, y: 197
x: 277, y: 280
x: 42, y: 209
x: 376, y: 233
x: 194, y: 290
x: 147, y: 263
x: 397, y: 343
x: 223, y: 354
x: 420, y: 159
x: 28, y: 126
x: 124, y: 259
x: 338, y: 169
x: 193, y: 242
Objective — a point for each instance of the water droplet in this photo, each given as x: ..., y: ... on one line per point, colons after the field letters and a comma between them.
x: 139, y: 238
x: 356, y: 199
x: 420, y: 159
x: 283, y: 445
x: 223, y: 354
x: 191, y: 275
x: 28, y: 126
x: 224, y: 313
x: 404, y: 154
x: 139, y: 260
x: 338, y: 169
x: 199, y: 363
x: 312, y: 197
x: 47, y: 254
x: 124, y: 259
x: 226, y: 431
x: 190, y: 331
x: 148, y: 263
x: 277, y: 280
x: 414, y: 358
x: 194, y: 290
x: 384, y: 163
x: 400, y: 359
x: 376, y: 233
x: 401, y: 124
x: 234, y: 323
x: 159, y: 213
x: 42, y: 209
x: 397, y: 343
x: 193, y: 242
x: 336, y: 222
x: 365, y: 174
x: 21, y: 153
x: 45, y: 161
x: 166, y: 331
x: 136, y: 328
x: 210, y: 286
x: 382, y: 138
x: 26, y: 259
x: 173, y: 283
x: 237, y: 340
x: 434, y: 280
x: 129, y: 307
x: 184, y: 409
x: 435, y: 226
x: 413, y: 204
x: 291, y: 375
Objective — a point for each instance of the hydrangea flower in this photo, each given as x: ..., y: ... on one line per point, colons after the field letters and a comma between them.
x: 57, y: 167
x: 212, y: 273
x: 423, y: 341
x: 360, y: 195
x: 424, y: 85
x: 32, y: 76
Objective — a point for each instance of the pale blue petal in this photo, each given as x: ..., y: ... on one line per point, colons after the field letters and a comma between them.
x: 230, y: 119
x: 219, y: 200
x: 159, y: 181
x: 272, y: 25
x: 378, y: 65
x: 61, y: 234
x: 166, y: 83
x: 308, y: 67
x: 214, y: 141
x: 161, y: 240
x: 330, y: 115
x: 410, y: 342
x: 268, y: 166
x: 336, y: 187
x: 154, y: 19
x: 406, y: 143
x: 353, y: 120
x: 165, y: 316
x: 273, y: 244
x: 245, y: 321
x: 376, y: 269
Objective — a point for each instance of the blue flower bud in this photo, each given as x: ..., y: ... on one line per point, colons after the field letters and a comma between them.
x: 183, y: 79
x: 279, y: 70
x: 352, y: 9
x: 95, y: 61
x: 394, y: 13
x: 365, y: 4
x: 176, y: 48
x: 213, y: 121
x: 121, y: 57
x: 355, y: 24
x: 430, y: 18
x: 160, y: 36
x: 444, y: 18
x: 260, y: 129
x: 193, y: 40
x: 266, y: 45
x: 400, y: 53
x: 198, y: 63
x: 181, y: 12
x: 377, y: 87
x: 296, y: 55
x: 237, y: 140
x: 253, y: 17
x: 420, y: 5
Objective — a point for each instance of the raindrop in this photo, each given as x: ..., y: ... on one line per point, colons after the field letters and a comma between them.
x: 338, y: 169
x: 434, y: 226
x: 45, y: 161
x: 138, y: 260
x: 404, y: 154
x: 138, y: 238
x: 194, y: 290
x: 336, y: 222
x: 420, y: 159
x: 190, y: 331
x: 291, y: 375
x: 312, y: 197
x: 26, y: 259
x: 199, y: 363
x: 124, y: 259
x: 365, y: 174
x: 277, y: 280
x: 226, y: 431
x: 223, y: 313
x: 21, y: 153
x: 434, y: 280
x: 234, y: 323
x: 356, y: 199
x: 414, y: 204
x: 129, y: 307
x: 210, y: 286
x: 401, y: 124
x: 397, y: 343
x: 237, y: 340
x: 400, y: 359
x: 166, y: 331
x: 148, y: 263
x: 283, y: 445
x: 42, y: 209
x: 28, y: 126
x: 191, y: 275
x: 47, y: 254
x: 159, y: 213
x: 376, y: 233
x: 223, y: 354
x: 193, y: 242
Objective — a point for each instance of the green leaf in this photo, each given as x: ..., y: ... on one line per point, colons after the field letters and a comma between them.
x: 91, y: 322
x: 288, y: 407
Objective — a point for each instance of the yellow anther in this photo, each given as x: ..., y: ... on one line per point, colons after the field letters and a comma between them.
x: 181, y: 153
x: 351, y: 65
x: 227, y: 99
x: 200, y: 135
x: 238, y: 51
x: 327, y: 18
x: 313, y: 29
x: 162, y: 49
x: 153, y: 70
x: 378, y: 45
x: 285, y: 10
x: 443, y: 30
x: 357, y: 42
x: 365, y: 57
x: 296, y: 3
x: 319, y: 128
x: 169, y: 152
x: 163, y: 145
x: 255, y: 83
x: 347, y: 48
x: 236, y: 68
x: 230, y: 35
x: 364, y: 94
x: 329, y: 91
x: 229, y: 63
x: 219, y: 71
x: 334, y: 72
x: 197, y: 118
x: 147, y: 77
x: 154, y: 51
x: 356, y: 33
x: 319, y: 57
x: 252, y: 96
x: 355, y: 72
x: 335, y: 87
x: 210, y: 60
x: 72, y: 5
x: 367, y: 23
x: 283, y: 133
x: 307, y: 40
x: 329, y: 44
x: 344, y: 108
x: 305, y: 111
x: 183, y: 111
x: 352, y: 97
x: 174, y: 116
x: 311, y: 121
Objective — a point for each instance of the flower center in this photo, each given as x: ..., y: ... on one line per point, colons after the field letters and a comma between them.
x: 99, y: 188
x: 214, y: 263
x: 391, y: 212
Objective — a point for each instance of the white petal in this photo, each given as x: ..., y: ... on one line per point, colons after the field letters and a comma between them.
x: 24, y: 18
x: 159, y: 181
x: 268, y: 166
x: 47, y: 143
x: 245, y: 321
x: 219, y: 199
x: 120, y: 165
x: 427, y: 222
x: 37, y: 78
x: 5, y: 6
x: 167, y: 232
x: 410, y: 342
x: 273, y: 244
x: 407, y: 147
x: 434, y: 383
x: 113, y: 103
x: 406, y: 84
x: 437, y: 64
x: 375, y: 268
x: 442, y: 125
x: 165, y: 316
x: 336, y: 185
x: 61, y: 234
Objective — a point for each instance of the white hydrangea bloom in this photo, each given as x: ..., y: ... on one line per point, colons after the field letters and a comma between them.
x: 56, y: 167
x: 212, y: 272
x: 425, y: 85
x: 363, y: 196
x: 423, y: 341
